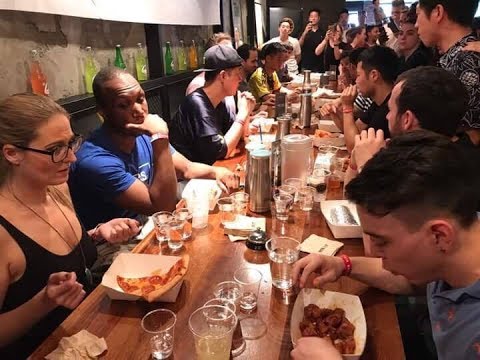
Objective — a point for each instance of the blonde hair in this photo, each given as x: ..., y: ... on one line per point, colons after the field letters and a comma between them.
x: 217, y: 38
x: 20, y: 117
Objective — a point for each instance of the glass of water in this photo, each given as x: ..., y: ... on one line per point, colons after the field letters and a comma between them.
x: 283, y: 251
x: 160, y: 221
x: 240, y: 202
x: 159, y: 324
x: 228, y: 290
x: 226, y: 208
x: 185, y: 215
x: 306, y: 196
x: 283, y: 203
x: 175, y: 233
x: 249, y: 279
x: 318, y: 180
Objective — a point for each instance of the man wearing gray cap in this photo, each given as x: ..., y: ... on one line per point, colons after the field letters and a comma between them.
x: 203, y: 129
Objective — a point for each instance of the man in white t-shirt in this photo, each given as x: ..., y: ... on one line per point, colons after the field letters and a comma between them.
x: 285, y: 28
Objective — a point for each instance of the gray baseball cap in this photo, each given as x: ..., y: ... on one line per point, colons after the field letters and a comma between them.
x: 221, y: 57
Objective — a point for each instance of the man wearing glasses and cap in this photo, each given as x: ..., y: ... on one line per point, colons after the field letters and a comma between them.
x: 203, y: 129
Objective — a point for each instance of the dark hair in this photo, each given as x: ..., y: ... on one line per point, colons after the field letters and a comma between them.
x: 460, y: 12
x: 436, y: 97
x: 352, y: 33
x: 476, y: 24
x: 398, y: 3
x: 382, y: 59
x: 346, y: 54
x: 343, y: 11
x: 369, y: 28
x: 244, y: 51
x: 411, y: 18
x: 315, y: 10
x: 288, y: 46
x: 104, y: 75
x: 422, y: 172
x: 271, y: 49
x: 211, y: 75
x: 355, y: 55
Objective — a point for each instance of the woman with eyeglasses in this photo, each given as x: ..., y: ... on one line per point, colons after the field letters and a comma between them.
x: 45, y: 253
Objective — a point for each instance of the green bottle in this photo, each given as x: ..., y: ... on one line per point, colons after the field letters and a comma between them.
x: 119, y: 63
x: 182, y: 57
x: 90, y: 70
x: 141, y: 63
x: 201, y: 52
x: 169, y: 68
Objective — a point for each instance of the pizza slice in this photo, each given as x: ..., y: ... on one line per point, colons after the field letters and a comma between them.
x: 158, y: 283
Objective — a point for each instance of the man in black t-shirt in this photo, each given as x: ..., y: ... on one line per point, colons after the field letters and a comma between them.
x: 377, y: 70
x: 311, y: 37
x: 203, y: 130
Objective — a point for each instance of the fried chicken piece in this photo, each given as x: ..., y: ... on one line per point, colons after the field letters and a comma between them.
x: 322, y: 329
x: 349, y: 345
x: 340, y: 346
x: 339, y: 312
x: 325, y: 312
x: 346, y: 329
x: 334, y: 320
x: 307, y: 328
x: 312, y: 312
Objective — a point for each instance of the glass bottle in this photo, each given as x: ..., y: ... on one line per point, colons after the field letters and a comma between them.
x: 169, y: 66
x: 38, y: 80
x: 119, y: 63
x: 90, y: 70
x: 192, y: 56
x: 182, y: 57
x: 201, y: 52
x: 141, y: 63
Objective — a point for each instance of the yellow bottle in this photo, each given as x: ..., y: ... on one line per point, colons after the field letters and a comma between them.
x: 192, y: 56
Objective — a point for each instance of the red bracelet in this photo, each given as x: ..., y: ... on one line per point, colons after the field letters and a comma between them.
x: 347, y: 111
x: 347, y: 270
x: 352, y: 166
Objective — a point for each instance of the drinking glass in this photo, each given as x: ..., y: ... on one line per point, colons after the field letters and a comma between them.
x: 185, y: 215
x: 283, y: 251
x: 160, y: 221
x: 159, y: 324
x: 338, y: 167
x: 296, y: 183
x: 238, y: 342
x: 287, y: 189
x: 199, y: 206
x: 212, y: 327
x: 240, y: 202
x: 306, y: 196
x: 228, y: 290
x: 249, y: 279
x: 283, y: 203
x: 226, y: 208
x: 175, y: 233
x: 318, y: 181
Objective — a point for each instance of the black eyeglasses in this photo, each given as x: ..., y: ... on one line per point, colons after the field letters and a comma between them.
x: 59, y: 153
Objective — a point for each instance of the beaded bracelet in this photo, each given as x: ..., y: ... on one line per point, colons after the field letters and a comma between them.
x: 347, y: 265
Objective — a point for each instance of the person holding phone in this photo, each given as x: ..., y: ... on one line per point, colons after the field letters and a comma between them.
x: 311, y: 37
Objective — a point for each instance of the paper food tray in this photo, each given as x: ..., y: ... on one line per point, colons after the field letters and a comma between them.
x: 203, y: 185
x: 328, y: 125
x: 337, y: 140
x: 329, y: 299
x: 138, y: 265
x: 341, y: 231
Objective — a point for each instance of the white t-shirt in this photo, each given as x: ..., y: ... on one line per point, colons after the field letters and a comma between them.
x: 297, y: 50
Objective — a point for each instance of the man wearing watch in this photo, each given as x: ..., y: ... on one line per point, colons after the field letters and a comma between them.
x: 127, y: 167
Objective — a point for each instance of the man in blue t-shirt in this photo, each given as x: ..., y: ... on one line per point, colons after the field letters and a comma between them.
x: 417, y: 199
x: 127, y: 168
x: 203, y: 129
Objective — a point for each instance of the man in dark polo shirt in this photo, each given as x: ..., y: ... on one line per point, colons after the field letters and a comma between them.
x: 311, y: 37
x: 203, y: 130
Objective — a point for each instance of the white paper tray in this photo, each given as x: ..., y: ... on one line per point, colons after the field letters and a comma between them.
x: 353, y: 312
x: 138, y: 265
x: 341, y: 231
x: 202, y: 185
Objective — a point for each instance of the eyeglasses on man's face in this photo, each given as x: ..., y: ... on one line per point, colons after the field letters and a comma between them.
x: 58, y: 153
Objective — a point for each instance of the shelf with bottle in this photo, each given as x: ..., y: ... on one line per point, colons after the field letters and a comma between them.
x: 181, y: 58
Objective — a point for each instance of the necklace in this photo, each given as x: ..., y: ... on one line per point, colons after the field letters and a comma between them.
x: 87, y: 272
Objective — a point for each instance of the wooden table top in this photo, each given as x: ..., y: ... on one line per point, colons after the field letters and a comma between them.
x: 213, y: 259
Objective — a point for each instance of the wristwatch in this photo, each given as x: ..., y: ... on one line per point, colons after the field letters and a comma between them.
x: 158, y: 136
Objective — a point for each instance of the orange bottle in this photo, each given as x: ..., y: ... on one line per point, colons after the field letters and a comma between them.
x: 192, y: 56
x: 38, y: 79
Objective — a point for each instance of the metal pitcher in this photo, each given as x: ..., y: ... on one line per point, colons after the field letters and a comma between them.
x: 259, y: 181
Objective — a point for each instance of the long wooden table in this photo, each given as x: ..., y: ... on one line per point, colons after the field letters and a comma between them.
x: 213, y: 258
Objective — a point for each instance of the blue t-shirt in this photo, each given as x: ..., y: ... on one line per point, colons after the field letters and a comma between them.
x: 455, y: 318
x: 102, y: 172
